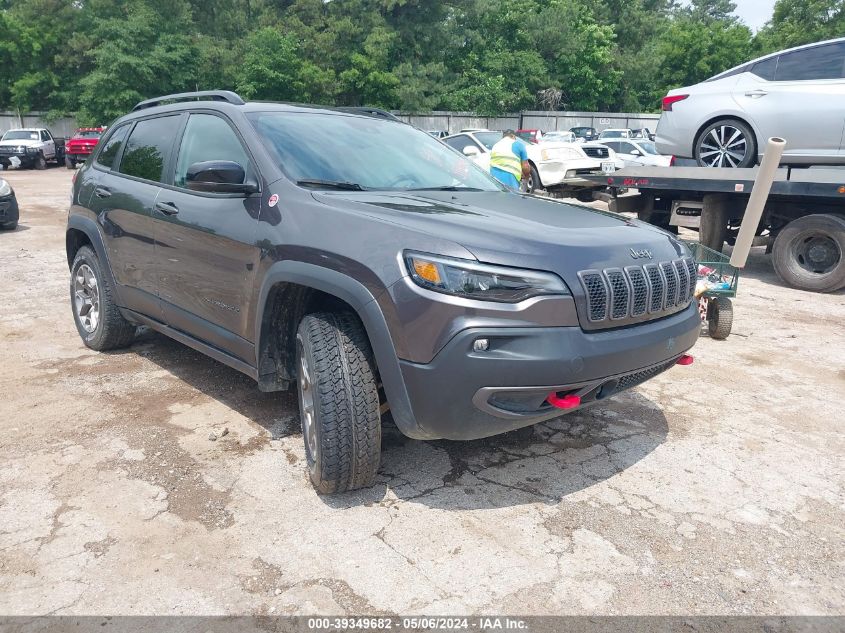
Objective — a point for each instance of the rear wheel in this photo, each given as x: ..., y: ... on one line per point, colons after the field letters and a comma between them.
x: 726, y: 143
x: 9, y: 226
x: 338, y: 402
x: 97, y: 317
x: 809, y: 253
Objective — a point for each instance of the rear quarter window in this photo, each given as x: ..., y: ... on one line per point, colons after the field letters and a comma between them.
x: 112, y: 147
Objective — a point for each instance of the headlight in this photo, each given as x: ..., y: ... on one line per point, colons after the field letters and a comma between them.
x: 481, y: 281
x: 560, y: 153
x: 5, y: 188
x: 32, y: 150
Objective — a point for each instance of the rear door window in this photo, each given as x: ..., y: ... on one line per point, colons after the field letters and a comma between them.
x: 459, y: 142
x: 112, y: 147
x: 819, y: 62
x: 148, y: 147
x: 765, y: 69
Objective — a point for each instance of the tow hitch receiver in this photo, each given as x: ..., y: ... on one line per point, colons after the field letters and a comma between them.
x: 685, y: 359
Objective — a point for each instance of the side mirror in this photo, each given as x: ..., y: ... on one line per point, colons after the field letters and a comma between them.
x: 218, y: 176
x: 471, y: 151
x: 636, y: 152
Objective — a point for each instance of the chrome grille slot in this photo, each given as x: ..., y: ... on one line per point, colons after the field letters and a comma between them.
x: 639, y: 290
x: 655, y: 289
x: 671, y: 276
x: 658, y: 287
x: 692, y: 269
x: 619, y: 293
x: 596, y: 152
x: 683, y: 280
x: 596, y: 291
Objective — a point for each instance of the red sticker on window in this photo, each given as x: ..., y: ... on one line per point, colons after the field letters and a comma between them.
x: 274, y: 199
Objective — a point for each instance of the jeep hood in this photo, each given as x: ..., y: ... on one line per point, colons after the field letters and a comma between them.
x: 517, y: 230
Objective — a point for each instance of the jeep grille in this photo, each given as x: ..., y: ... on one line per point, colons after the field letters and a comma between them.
x: 657, y: 289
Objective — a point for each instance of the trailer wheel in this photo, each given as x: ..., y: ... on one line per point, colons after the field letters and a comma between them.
x: 809, y: 253
x: 720, y: 317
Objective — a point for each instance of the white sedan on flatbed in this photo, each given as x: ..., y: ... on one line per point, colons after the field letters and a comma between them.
x: 556, y: 167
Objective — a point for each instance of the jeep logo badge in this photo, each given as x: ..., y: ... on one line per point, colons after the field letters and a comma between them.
x: 645, y: 253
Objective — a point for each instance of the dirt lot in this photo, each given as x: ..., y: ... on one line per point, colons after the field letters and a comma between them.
x: 715, y: 488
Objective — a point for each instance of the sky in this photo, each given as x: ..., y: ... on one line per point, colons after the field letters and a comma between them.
x: 755, y: 13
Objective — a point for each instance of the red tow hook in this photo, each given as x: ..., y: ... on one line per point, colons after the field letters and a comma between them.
x: 567, y: 402
x: 685, y: 359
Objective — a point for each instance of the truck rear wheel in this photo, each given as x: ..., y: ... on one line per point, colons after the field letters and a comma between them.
x: 338, y: 402
x: 809, y: 253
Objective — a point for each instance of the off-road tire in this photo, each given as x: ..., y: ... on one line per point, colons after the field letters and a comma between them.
x: 112, y: 331
x: 344, y: 394
x: 786, y: 252
x: 70, y: 163
x: 9, y: 226
x: 720, y: 317
x: 749, y: 159
x: 40, y: 162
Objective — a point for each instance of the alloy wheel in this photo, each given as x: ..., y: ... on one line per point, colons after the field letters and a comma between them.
x: 723, y: 146
x: 306, y: 399
x: 86, y: 298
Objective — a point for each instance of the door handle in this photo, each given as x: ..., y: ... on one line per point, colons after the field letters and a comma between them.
x: 101, y: 192
x: 756, y: 93
x: 167, y: 208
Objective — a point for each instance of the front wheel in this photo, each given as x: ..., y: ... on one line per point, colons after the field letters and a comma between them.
x: 70, y: 163
x: 809, y: 253
x: 40, y: 162
x: 533, y: 184
x: 338, y: 402
x: 726, y: 143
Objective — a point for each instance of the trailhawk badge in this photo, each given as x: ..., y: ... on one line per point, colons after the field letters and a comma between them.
x: 643, y: 254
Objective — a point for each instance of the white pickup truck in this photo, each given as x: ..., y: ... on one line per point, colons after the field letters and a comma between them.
x: 30, y: 147
x: 557, y: 167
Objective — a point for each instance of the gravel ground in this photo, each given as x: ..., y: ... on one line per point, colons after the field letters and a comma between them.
x: 712, y: 489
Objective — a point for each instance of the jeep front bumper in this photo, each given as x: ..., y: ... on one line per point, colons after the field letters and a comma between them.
x: 465, y: 394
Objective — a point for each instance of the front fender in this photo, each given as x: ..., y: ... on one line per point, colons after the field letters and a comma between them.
x: 367, y: 308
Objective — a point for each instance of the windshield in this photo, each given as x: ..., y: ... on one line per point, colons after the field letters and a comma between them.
x: 87, y: 134
x: 563, y: 137
x: 648, y: 147
x: 362, y: 151
x: 488, y: 139
x: 20, y: 135
x: 613, y: 134
x: 526, y: 136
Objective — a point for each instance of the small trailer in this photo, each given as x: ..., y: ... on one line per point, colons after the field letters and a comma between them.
x: 802, y: 226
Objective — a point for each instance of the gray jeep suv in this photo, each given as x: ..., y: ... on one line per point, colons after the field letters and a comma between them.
x: 370, y: 266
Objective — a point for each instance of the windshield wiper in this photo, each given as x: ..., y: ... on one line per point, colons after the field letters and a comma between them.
x: 447, y: 188
x: 333, y: 184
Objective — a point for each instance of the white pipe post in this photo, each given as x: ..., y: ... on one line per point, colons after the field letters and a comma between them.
x: 757, y: 201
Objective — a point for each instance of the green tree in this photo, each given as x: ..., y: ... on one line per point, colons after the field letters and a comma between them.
x: 797, y: 22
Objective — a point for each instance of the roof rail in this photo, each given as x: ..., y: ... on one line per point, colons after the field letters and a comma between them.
x: 377, y: 112
x: 202, y: 95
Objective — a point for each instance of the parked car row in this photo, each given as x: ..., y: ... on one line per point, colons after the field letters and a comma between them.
x: 34, y: 147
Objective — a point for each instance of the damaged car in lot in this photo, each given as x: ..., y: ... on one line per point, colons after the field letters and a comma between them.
x: 256, y: 234
x: 557, y: 167
x: 30, y: 148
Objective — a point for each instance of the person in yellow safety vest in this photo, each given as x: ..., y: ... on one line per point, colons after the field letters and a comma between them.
x: 509, y: 160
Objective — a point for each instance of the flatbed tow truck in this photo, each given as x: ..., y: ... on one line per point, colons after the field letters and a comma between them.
x: 802, y: 226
